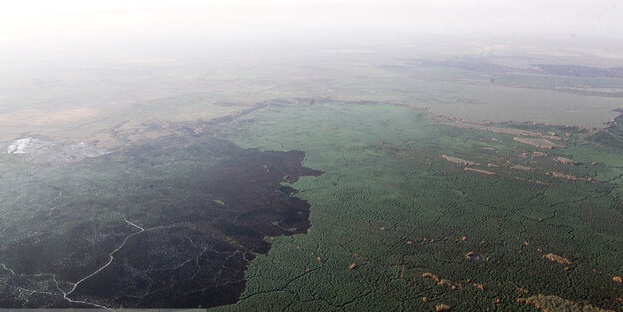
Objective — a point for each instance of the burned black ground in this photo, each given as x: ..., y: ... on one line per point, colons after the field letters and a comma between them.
x: 180, y: 217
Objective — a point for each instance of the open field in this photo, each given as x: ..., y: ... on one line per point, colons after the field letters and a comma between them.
x: 389, y: 203
x: 114, y: 91
x: 370, y: 178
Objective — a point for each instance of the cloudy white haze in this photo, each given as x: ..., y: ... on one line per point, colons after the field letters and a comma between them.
x: 58, y: 27
x: 378, y: 155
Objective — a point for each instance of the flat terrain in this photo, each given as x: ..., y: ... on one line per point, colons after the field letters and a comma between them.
x: 360, y: 179
x: 424, y: 231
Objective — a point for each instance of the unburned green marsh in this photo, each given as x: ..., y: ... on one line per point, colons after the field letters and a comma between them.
x: 391, y: 205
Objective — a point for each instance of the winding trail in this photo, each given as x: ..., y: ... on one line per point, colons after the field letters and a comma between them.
x: 133, y: 224
x: 66, y: 294
x: 110, y: 255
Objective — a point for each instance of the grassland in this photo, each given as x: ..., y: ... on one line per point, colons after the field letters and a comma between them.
x: 135, y: 92
x: 394, y: 226
x: 390, y: 204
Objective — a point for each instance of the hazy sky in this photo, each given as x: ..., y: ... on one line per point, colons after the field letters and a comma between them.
x: 88, y: 23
